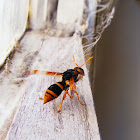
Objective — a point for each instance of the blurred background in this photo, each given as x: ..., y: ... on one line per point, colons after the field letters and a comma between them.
x: 117, y: 75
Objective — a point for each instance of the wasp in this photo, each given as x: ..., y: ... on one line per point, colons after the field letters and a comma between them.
x: 69, y: 79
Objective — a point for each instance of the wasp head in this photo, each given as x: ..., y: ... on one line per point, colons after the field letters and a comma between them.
x: 80, y: 72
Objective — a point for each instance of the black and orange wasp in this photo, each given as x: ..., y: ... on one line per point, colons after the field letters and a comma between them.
x: 69, y: 79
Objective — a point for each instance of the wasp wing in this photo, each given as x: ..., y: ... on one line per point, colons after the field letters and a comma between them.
x: 30, y: 72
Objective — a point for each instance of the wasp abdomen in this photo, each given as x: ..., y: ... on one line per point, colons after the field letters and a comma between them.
x: 53, y: 91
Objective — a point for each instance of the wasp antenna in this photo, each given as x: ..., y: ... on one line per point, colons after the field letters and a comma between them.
x: 87, y: 61
x: 74, y: 61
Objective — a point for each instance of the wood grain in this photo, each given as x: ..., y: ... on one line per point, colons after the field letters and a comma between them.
x: 36, y: 121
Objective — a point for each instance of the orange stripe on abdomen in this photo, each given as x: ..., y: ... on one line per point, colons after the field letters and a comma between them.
x: 59, y: 85
x: 52, y: 93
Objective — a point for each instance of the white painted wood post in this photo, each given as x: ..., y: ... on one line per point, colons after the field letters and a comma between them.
x: 70, y: 12
x: 38, y: 14
x: 13, y: 20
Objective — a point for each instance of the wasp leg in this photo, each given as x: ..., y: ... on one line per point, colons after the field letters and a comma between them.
x: 69, y: 94
x: 79, y: 99
x: 72, y: 87
x: 41, y: 98
x: 62, y: 100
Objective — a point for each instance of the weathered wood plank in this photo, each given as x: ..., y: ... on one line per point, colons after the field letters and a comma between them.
x: 34, y: 120
x: 13, y: 19
x: 12, y: 85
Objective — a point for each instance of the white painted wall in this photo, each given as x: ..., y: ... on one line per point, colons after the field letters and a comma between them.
x: 117, y: 81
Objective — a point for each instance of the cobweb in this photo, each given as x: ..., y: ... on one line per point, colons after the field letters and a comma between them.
x: 104, y: 14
